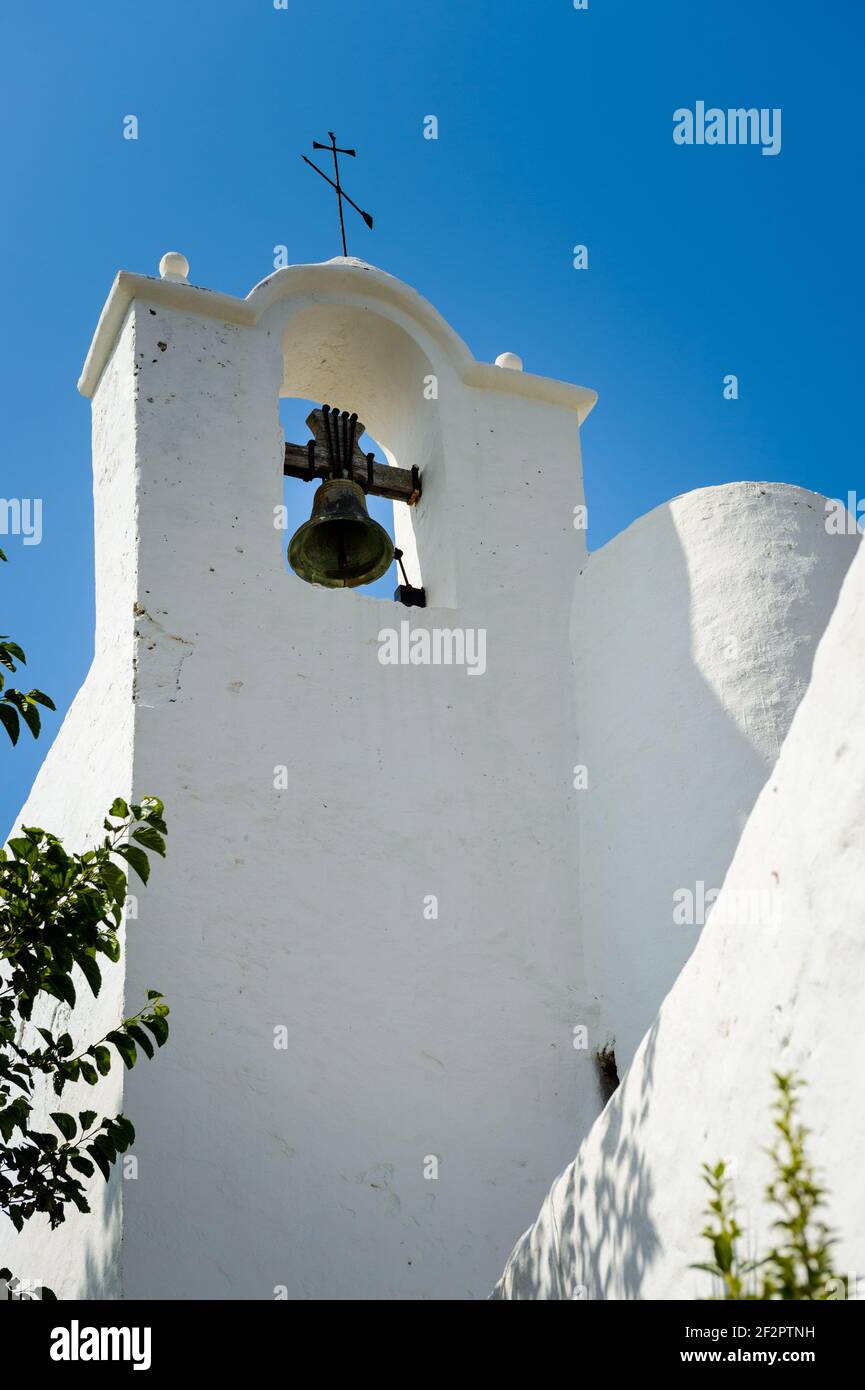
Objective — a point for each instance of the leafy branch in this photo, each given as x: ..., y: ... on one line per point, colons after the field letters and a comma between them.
x: 60, y: 912
x: 16, y: 705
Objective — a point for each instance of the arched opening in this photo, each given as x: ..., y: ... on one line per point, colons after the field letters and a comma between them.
x: 357, y: 359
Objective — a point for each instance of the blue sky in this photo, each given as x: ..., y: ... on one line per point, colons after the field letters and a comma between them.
x: 555, y: 128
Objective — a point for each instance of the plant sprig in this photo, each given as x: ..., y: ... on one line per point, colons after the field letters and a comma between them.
x: 799, y: 1266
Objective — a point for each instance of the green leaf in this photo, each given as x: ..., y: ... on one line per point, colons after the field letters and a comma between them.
x: 82, y: 1165
x: 106, y: 1146
x: 30, y: 715
x: 723, y: 1249
x: 65, y: 1124
x: 24, y: 848
x: 115, y: 878
x: 42, y: 699
x: 9, y: 720
x: 127, y: 1127
x: 100, y: 1160
x: 119, y: 809
x: 137, y: 858
x: 150, y: 838
x: 91, y: 972
x: 119, y: 1137
x: 141, y: 1038
x: 89, y: 1073
x: 102, y: 1057
x: 86, y: 1118
x: 126, y: 1047
x: 109, y: 946
x: 62, y: 987
x: 47, y: 1142
x: 158, y: 1026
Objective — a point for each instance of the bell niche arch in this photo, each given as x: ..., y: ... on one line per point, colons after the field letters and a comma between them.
x: 371, y: 369
x: 492, y: 443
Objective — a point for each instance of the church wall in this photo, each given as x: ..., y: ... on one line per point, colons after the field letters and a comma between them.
x: 694, y: 632
x: 623, y: 1220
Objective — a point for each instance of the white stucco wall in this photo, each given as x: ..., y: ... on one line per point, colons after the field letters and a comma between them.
x: 623, y: 1220
x: 693, y: 634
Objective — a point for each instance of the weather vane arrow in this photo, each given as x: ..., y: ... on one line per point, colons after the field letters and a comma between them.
x: 335, y: 183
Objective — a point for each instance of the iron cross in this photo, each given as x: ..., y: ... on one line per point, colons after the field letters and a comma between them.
x: 340, y: 191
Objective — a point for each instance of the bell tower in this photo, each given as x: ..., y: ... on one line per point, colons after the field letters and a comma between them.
x: 366, y: 922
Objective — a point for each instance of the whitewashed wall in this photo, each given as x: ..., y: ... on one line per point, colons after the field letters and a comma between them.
x: 694, y: 632
x: 623, y: 1220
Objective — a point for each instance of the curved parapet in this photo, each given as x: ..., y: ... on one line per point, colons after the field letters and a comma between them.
x: 693, y: 636
x: 340, y: 280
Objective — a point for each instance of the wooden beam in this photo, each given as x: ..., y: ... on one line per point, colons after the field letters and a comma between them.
x: 399, y: 484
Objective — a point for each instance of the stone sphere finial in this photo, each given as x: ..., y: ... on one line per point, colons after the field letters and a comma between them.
x: 510, y: 359
x: 174, y: 266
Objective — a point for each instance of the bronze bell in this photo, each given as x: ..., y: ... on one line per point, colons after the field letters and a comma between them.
x: 340, y: 546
